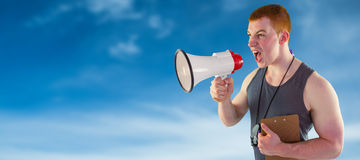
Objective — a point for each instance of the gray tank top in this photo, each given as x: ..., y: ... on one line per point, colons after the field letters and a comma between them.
x: 288, y: 100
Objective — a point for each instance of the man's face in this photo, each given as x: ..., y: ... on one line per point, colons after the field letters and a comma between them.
x: 263, y: 41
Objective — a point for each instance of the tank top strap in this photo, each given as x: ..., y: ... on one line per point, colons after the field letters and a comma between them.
x: 301, y: 75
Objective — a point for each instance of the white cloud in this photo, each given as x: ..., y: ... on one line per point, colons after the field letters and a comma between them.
x: 88, y: 77
x: 50, y: 16
x: 352, y: 132
x: 110, y: 77
x: 336, y: 37
x: 114, y: 9
x: 184, y: 134
x: 330, y: 34
x: 105, y: 9
x: 342, y: 73
x: 307, y: 13
x: 123, y: 49
x: 155, y: 21
x: 233, y: 5
x: 163, y: 27
x: 148, y: 131
x: 328, y: 40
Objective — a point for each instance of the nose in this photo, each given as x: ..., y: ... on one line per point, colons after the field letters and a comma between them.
x: 252, y: 42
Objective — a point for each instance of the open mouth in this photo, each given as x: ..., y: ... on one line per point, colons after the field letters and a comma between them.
x: 257, y: 55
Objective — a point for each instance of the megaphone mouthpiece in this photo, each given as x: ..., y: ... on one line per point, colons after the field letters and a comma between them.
x: 238, y: 61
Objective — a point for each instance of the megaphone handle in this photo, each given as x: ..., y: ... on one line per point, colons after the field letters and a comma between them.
x: 223, y: 77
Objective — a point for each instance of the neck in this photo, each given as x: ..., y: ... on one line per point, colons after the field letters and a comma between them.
x: 281, y: 63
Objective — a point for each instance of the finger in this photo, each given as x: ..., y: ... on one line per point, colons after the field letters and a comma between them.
x: 218, y: 80
x: 216, y: 95
x: 260, y: 136
x: 260, y: 146
x: 213, y: 93
x: 260, y: 139
x: 220, y: 87
x: 218, y: 90
x: 266, y: 129
x: 216, y: 86
x: 230, y: 82
x: 260, y: 149
x: 218, y: 99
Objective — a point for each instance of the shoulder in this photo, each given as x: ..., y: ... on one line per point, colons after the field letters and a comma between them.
x: 249, y: 77
x: 318, y: 90
x: 317, y: 83
x: 241, y: 98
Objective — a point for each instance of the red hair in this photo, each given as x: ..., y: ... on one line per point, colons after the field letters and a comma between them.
x: 278, y: 15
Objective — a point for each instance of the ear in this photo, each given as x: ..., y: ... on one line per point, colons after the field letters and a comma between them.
x: 284, y: 37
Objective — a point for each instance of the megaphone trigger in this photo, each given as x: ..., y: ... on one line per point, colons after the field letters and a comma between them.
x: 223, y: 77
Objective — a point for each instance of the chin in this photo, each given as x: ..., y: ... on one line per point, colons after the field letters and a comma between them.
x: 261, y: 65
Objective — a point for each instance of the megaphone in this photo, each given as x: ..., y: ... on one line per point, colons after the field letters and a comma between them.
x: 191, y: 69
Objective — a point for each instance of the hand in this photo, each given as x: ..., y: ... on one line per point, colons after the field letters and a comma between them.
x: 270, y: 143
x: 221, y: 90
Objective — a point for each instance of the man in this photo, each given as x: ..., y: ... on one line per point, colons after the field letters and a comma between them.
x: 282, y: 85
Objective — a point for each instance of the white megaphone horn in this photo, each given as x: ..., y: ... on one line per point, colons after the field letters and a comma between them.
x: 191, y: 69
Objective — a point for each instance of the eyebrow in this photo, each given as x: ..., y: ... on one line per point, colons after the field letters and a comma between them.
x: 261, y: 30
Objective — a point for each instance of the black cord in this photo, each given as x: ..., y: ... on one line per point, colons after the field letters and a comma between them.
x: 277, y: 88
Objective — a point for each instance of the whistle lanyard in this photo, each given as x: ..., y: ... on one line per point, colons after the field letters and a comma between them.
x: 277, y: 88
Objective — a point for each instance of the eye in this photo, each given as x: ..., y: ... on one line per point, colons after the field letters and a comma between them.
x: 260, y: 35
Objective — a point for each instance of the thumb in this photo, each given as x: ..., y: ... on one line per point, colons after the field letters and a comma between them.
x: 266, y: 129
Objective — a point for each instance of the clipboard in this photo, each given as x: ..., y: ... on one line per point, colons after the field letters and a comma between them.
x: 286, y: 127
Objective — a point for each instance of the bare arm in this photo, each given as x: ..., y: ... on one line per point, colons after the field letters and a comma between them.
x: 327, y: 119
x: 230, y: 112
x: 322, y: 100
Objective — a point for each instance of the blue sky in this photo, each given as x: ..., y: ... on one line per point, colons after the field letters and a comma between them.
x: 95, y: 79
